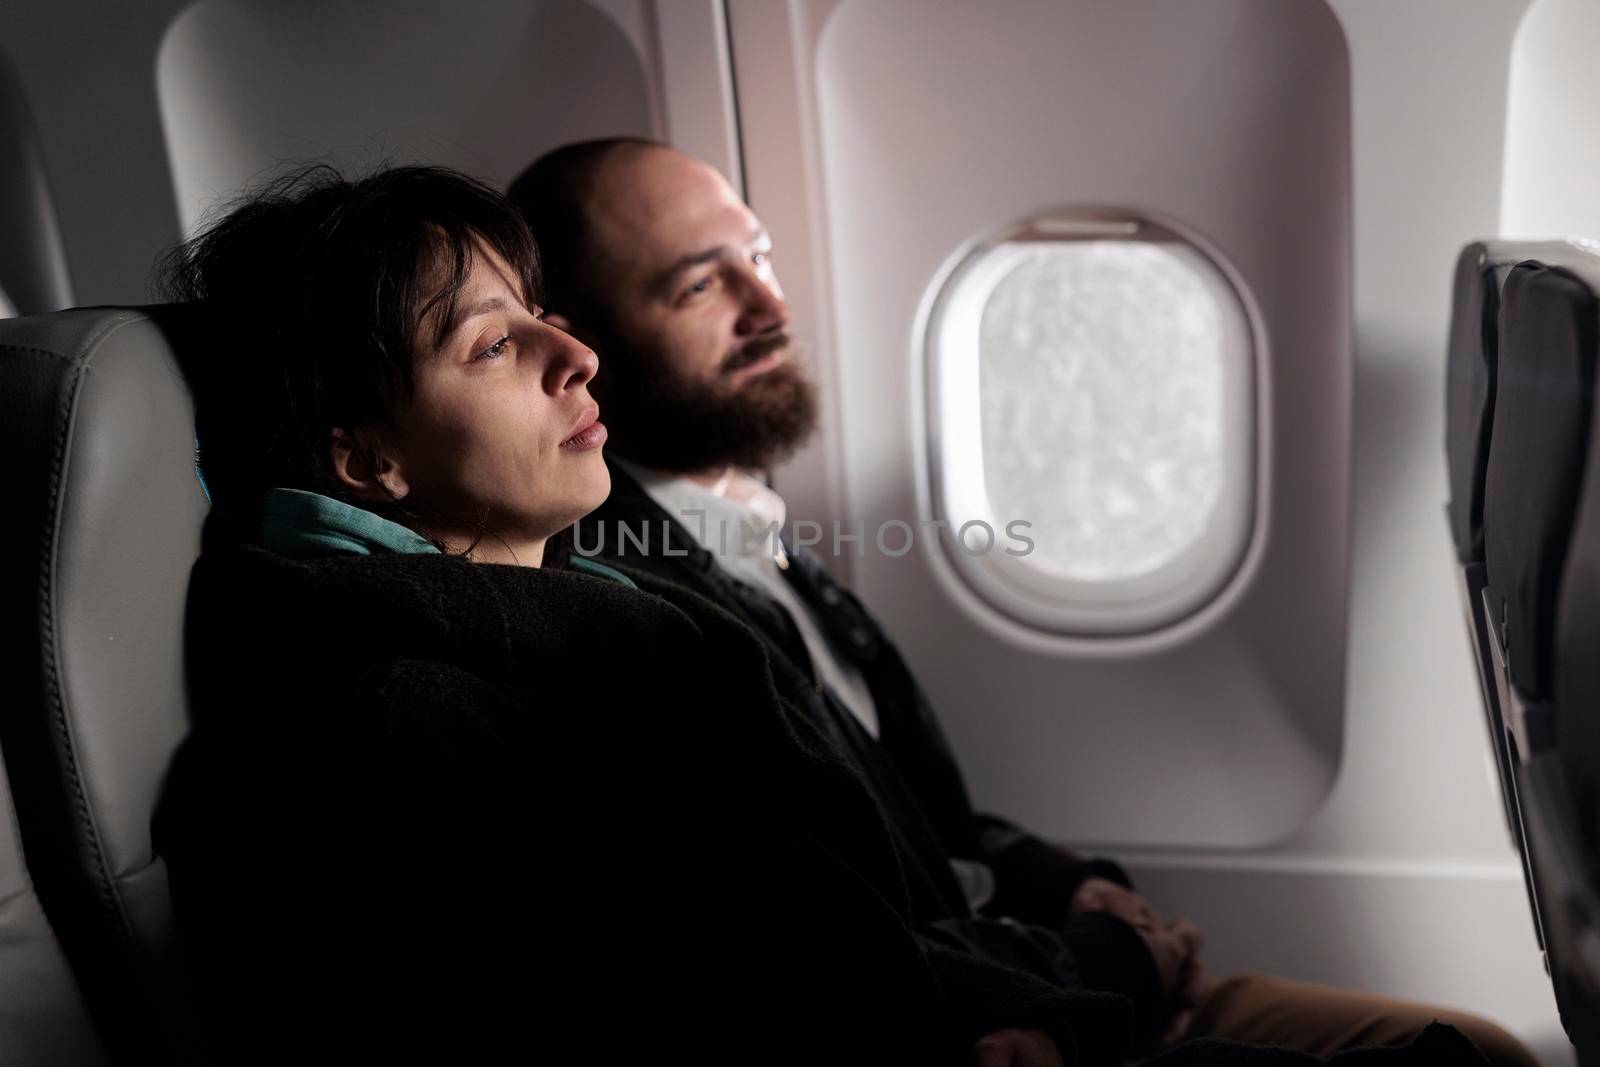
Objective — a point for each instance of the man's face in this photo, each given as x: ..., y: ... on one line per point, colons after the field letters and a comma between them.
x: 698, y: 369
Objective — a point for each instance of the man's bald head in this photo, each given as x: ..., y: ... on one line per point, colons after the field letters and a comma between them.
x: 569, y: 197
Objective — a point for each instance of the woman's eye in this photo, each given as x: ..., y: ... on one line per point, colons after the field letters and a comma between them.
x: 495, y: 350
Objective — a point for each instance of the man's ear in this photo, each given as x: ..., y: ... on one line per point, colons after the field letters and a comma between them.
x: 364, y: 468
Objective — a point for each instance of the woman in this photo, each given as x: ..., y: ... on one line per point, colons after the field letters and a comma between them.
x: 427, y: 808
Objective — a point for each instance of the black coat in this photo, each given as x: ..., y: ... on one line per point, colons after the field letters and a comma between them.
x: 430, y: 806
x: 909, y: 767
x: 910, y: 764
x: 918, y: 786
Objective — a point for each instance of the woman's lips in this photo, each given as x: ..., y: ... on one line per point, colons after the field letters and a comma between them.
x: 593, y: 437
x: 590, y: 432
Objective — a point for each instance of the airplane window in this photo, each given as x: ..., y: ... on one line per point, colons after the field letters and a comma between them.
x: 1093, y: 409
x: 6, y: 310
x: 1101, y: 419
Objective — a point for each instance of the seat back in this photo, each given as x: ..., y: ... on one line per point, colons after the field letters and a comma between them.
x: 1577, y: 666
x: 1561, y: 785
x: 42, y: 1015
x: 97, y: 431
x: 1470, y: 369
x: 1539, y: 441
x: 1471, y: 375
x: 1541, y: 521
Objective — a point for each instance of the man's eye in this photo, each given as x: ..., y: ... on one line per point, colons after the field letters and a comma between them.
x: 495, y: 350
x: 700, y: 288
x: 760, y: 258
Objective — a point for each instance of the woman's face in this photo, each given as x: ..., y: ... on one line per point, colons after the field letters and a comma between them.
x: 501, y: 428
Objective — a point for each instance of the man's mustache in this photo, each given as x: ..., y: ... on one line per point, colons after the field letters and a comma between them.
x: 754, y: 350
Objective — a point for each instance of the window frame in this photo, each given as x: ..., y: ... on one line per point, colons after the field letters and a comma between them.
x: 1096, y: 610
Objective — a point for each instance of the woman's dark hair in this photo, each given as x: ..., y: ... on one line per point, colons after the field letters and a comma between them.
x: 307, y: 297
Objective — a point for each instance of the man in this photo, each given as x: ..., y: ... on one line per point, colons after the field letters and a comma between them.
x: 655, y: 262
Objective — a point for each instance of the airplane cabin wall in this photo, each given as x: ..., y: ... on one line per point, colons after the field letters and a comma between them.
x: 1552, y: 140
x: 1406, y: 880
x: 146, y: 112
x: 87, y: 71
x: 33, y: 273
x: 244, y: 84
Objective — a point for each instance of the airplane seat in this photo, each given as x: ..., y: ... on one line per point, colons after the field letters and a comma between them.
x: 97, y: 427
x: 1538, y: 513
x: 1542, y: 414
x: 1563, y: 785
x: 42, y: 1014
x: 1469, y: 405
x: 1471, y: 369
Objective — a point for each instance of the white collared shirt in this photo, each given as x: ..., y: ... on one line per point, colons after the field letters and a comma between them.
x: 737, y: 521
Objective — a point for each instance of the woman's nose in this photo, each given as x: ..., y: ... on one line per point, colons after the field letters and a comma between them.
x: 571, y: 364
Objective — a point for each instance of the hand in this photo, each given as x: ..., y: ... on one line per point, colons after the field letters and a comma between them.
x: 1016, y: 1048
x: 1175, y: 947
x: 1185, y: 982
x: 1104, y: 895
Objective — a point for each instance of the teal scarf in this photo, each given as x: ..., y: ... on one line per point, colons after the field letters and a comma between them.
x: 299, y: 524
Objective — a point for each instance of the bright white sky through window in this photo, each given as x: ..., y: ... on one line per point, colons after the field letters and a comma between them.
x: 1101, y: 379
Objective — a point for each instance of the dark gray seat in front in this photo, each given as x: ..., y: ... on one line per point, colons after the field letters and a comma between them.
x: 1541, y: 525
x: 1471, y: 371
x: 1543, y: 412
x: 96, y: 427
x: 1562, y: 783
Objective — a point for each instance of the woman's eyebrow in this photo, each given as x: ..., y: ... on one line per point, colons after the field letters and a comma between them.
x: 471, y: 311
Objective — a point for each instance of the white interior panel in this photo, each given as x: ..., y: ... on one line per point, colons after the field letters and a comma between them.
x: 1232, y: 120
x: 1552, y: 138
x: 33, y: 266
x: 478, y: 85
x: 87, y: 71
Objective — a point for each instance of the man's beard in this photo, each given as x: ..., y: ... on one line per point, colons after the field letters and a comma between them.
x: 663, y: 420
